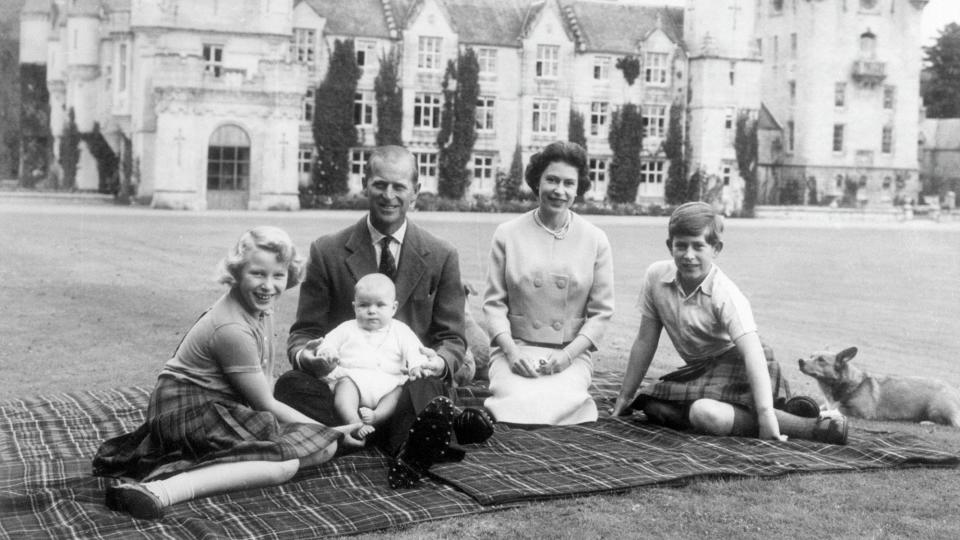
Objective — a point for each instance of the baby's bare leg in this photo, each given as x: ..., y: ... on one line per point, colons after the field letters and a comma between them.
x: 346, y: 400
x: 385, y: 407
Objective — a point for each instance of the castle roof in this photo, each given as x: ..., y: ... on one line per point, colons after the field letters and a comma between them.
x: 488, y: 22
x: 361, y: 18
x: 618, y: 28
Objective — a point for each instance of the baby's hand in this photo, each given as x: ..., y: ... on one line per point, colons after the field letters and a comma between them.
x: 329, y: 356
x: 415, y: 372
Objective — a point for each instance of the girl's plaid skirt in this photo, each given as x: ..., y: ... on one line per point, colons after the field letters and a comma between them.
x: 188, y: 427
x: 723, y: 378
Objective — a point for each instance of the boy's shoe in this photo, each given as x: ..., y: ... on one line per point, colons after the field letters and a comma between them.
x: 831, y: 429
x: 134, y: 499
x: 802, y: 406
x: 472, y: 425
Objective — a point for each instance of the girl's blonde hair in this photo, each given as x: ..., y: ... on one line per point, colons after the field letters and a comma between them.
x: 268, y: 238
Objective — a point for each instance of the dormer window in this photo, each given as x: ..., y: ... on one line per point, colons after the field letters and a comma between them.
x: 868, y: 5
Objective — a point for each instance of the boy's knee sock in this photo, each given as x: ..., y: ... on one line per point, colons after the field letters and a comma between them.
x: 793, y: 426
x: 665, y: 413
x: 744, y: 423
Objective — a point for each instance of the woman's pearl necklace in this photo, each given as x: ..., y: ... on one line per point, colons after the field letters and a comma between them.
x: 561, y: 231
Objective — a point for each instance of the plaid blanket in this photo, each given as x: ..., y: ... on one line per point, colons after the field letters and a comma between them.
x: 47, y: 491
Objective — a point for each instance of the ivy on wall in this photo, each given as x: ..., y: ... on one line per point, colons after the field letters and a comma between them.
x: 458, y: 125
x: 69, y: 152
x: 107, y: 161
x: 675, y: 190
x: 35, y: 138
x: 334, y: 130
x: 576, y: 131
x: 626, y: 141
x: 389, y: 100
x: 745, y: 144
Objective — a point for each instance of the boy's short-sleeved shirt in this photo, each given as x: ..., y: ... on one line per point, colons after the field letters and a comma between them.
x: 702, y: 324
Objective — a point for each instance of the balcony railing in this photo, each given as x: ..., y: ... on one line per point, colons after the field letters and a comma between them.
x: 869, y: 72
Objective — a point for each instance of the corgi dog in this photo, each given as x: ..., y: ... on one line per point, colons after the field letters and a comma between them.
x: 876, y: 397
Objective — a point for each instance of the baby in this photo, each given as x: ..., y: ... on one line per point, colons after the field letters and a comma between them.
x: 374, y: 355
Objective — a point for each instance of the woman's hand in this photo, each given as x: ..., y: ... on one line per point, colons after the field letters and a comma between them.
x: 432, y: 366
x: 522, y: 365
x: 557, y: 361
x: 622, y: 407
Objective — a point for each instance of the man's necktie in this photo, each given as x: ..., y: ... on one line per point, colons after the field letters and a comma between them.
x: 388, y: 265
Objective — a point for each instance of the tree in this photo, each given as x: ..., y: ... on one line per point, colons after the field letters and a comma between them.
x: 630, y: 66
x: 508, y: 185
x: 458, y: 125
x: 626, y: 141
x: 745, y: 144
x: 35, y: 137
x: 334, y: 129
x: 941, y: 93
x: 70, y: 150
x: 576, y: 131
x: 389, y: 100
x: 675, y: 190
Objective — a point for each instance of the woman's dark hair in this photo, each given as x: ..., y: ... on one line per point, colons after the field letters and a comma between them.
x: 568, y: 152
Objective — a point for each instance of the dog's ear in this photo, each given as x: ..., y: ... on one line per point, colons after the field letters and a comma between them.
x: 846, y: 355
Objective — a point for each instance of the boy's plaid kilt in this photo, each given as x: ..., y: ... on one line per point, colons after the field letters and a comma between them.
x: 189, y: 426
x: 723, y: 378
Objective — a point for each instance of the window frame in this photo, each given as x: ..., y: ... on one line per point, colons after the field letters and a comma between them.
x: 427, y: 108
x: 429, y: 53
x: 544, y: 116
x: 547, y: 64
x: 655, y: 63
x: 599, y: 125
x: 485, y: 118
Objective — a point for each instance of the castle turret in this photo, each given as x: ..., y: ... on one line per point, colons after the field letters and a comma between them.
x: 34, y: 31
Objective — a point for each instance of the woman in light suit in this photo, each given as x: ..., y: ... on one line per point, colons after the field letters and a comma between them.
x: 549, y: 298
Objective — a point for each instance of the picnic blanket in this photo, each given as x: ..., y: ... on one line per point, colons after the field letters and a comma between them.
x: 47, y: 491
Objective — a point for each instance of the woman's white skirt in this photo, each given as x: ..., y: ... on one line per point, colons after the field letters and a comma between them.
x: 559, y: 399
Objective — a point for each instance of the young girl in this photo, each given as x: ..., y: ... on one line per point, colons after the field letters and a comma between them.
x: 725, y: 388
x: 375, y: 353
x: 219, y: 378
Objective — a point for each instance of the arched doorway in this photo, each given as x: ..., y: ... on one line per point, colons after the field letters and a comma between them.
x: 228, y: 169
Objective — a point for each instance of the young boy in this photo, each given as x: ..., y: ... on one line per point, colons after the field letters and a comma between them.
x: 375, y: 355
x: 725, y: 388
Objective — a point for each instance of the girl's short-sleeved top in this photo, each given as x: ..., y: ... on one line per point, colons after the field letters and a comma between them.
x: 702, y: 324
x: 226, y: 339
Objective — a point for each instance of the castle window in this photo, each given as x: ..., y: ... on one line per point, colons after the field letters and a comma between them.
x: 309, y: 102
x: 651, y: 172
x: 426, y: 164
x: 303, y: 46
x: 838, y: 137
x: 654, y: 120
x: 482, y: 169
x: 544, y: 116
x: 426, y: 110
x: 777, y: 5
x: 485, y: 117
x: 726, y: 173
x: 358, y: 161
x: 840, y: 94
x: 365, y: 53
x: 599, y: 118
x: 732, y: 73
x: 228, y: 159
x: 868, y: 4
x: 122, y: 67
x: 889, y: 96
x: 886, y: 140
x: 790, y: 134
x: 597, y: 170
x: 487, y: 60
x: 363, y: 103
x: 601, y: 68
x: 793, y: 46
x: 868, y: 44
x: 305, y: 160
x: 548, y: 61
x: 428, y: 53
x: 792, y: 89
x: 655, y: 68
x: 213, y: 59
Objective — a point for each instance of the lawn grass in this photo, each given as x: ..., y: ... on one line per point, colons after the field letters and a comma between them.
x: 99, y: 297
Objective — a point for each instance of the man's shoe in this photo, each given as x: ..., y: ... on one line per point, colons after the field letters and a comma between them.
x: 831, y: 429
x: 472, y: 426
x: 134, y: 499
x: 427, y: 443
x: 802, y: 406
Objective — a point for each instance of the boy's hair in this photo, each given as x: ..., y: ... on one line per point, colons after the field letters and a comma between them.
x: 567, y: 152
x: 267, y: 238
x: 375, y: 281
x: 693, y: 219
